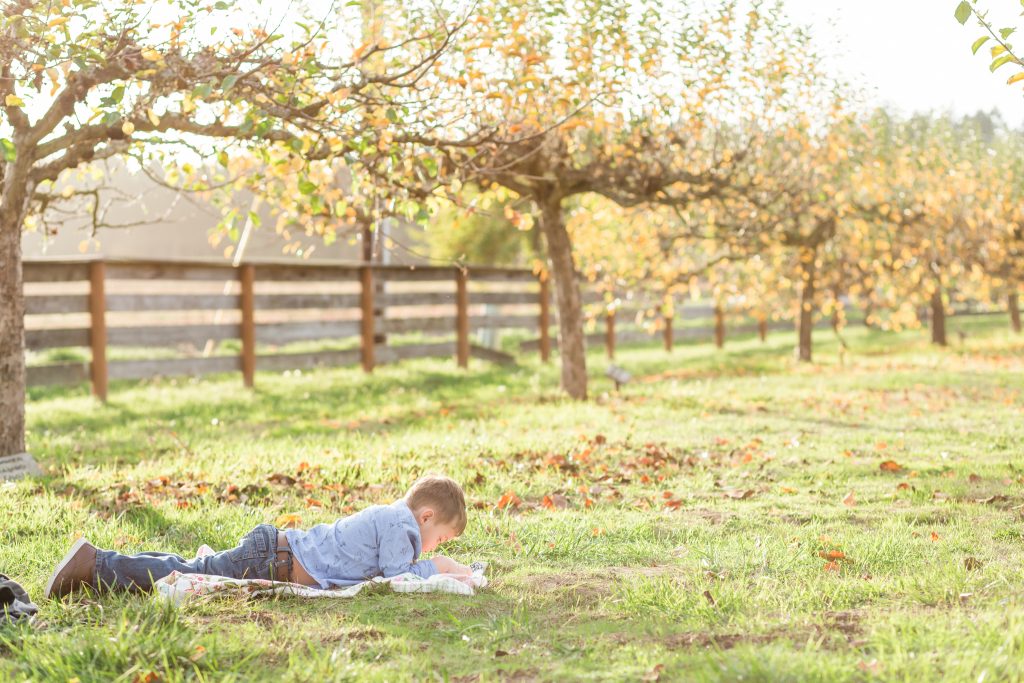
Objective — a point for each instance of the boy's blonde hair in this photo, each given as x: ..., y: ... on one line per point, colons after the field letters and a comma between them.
x: 443, y: 495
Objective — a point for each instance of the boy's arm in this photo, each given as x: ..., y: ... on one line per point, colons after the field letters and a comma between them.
x: 446, y: 565
x: 396, y: 553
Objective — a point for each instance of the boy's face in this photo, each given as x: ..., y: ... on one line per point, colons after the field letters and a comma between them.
x: 432, y: 532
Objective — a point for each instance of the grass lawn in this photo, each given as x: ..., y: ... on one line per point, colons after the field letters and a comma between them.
x: 727, y: 516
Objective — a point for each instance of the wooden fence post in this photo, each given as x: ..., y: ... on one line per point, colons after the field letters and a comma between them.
x: 609, y: 333
x: 461, y: 318
x: 247, y: 275
x: 719, y: 326
x: 98, y: 328
x: 668, y: 333
x: 545, y: 318
x: 366, y: 321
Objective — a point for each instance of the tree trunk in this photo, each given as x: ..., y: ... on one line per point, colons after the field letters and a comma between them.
x: 719, y: 326
x: 837, y: 313
x: 12, y: 324
x: 567, y: 295
x: 762, y: 329
x: 938, y: 315
x: 806, y: 305
x: 1013, y: 303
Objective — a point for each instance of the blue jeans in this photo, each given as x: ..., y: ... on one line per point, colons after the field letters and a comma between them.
x: 255, y: 557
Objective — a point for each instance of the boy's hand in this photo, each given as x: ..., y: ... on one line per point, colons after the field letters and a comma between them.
x: 446, y: 565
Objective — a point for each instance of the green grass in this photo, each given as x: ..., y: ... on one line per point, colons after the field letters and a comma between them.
x: 710, y: 586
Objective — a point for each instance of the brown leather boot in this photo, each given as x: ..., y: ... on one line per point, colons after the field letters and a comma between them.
x: 77, y: 569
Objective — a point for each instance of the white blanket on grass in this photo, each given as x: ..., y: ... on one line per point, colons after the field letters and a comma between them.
x: 178, y: 588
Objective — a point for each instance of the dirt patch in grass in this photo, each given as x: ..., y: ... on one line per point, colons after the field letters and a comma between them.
x: 588, y: 586
x: 517, y: 676
x: 837, y: 630
x: 365, y: 634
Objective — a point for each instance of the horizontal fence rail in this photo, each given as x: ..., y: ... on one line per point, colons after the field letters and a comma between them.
x: 197, y: 318
x: 223, y: 318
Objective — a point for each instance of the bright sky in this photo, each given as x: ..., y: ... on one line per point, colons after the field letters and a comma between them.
x: 913, y: 54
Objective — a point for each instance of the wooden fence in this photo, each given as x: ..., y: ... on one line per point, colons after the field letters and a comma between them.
x: 255, y: 312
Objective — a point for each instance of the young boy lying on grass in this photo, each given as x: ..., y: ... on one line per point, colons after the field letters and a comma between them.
x: 382, y: 540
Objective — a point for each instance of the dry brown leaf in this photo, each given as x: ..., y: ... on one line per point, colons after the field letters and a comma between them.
x: 654, y: 674
x: 850, y: 499
x: 991, y: 499
x: 890, y: 466
x: 288, y: 521
x: 510, y: 498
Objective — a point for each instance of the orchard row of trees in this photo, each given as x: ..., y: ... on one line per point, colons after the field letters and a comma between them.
x: 649, y: 140
x: 898, y: 217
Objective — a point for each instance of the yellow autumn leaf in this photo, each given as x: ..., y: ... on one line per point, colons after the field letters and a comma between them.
x: 288, y: 521
x: 128, y: 127
x: 153, y: 118
x: 1016, y: 77
x: 57, y: 21
x: 14, y: 101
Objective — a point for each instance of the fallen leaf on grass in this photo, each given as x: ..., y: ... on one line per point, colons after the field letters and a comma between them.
x: 872, y: 667
x: 786, y: 489
x: 282, y: 479
x: 555, y: 501
x: 991, y: 499
x: 934, y: 537
x: 890, y: 466
x: 974, y: 478
x: 972, y: 563
x: 654, y: 674
x: 739, y: 494
x: 831, y: 567
x: 510, y: 498
x: 313, y: 503
x: 288, y: 521
x: 902, y: 486
x: 832, y: 554
x: 850, y: 499
x: 500, y: 653
x: 710, y: 598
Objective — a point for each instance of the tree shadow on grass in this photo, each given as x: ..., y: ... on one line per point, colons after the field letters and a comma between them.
x: 130, y: 429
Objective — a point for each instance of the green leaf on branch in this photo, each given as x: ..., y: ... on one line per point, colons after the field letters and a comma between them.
x: 978, y: 43
x: 1006, y: 32
x: 963, y: 12
x: 8, y: 150
x: 307, y: 186
x: 228, y: 82
x: 999, y: 62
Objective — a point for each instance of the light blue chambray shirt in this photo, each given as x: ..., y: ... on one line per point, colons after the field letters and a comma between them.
x: 382, y: 540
